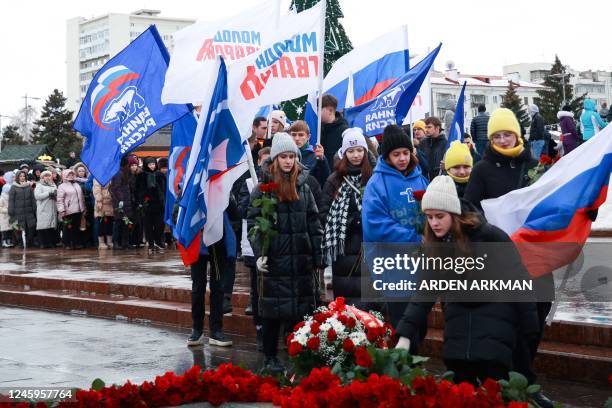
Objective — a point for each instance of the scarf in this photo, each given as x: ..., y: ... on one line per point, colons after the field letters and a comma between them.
x: 514, y: 152
x: 337, y: 218
x: 460, y: 180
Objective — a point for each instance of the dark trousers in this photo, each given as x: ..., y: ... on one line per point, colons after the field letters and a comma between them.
x: 30, y: 232
x: 7, y: 235
x: 154, y: 227
x: 72, y: 233
x: 46, y: 238
x: 229, y: 276
x: 254, y: 296
x: 527, y: 348
x: 198, y: 292
x: 481, y: 145
x: 104, y: 226
x: 121, y: 234
x: 271, y: 331
x: 475, y: 372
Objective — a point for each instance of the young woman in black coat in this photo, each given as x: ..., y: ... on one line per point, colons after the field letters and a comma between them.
x: 479, y: 337
x: 341, y: 215
x: 286, y: 272
x: 150, y: 196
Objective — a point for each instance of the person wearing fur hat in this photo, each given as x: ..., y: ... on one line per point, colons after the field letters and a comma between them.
x: 341, y: 215
x: 390, y: 212
x: 458, y: 163
x: 123, y: 209
x: 311, y: 157
x: 568, y: 129
x: 150, y: 196
x: 505, y: 162
x: 22, y: 207
x: 71, y: 208
x: 5, y: 224
x: 479, y: 337
x: 45, y: 194
x: 286, y: 272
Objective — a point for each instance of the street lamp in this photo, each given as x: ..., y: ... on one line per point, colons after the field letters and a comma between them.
x: 561, y: 75
x: 26, y: 97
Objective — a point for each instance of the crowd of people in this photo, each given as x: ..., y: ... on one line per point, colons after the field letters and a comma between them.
x: 48, y: 207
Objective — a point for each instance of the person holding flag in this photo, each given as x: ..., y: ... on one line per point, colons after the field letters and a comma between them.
x: 287, y: 265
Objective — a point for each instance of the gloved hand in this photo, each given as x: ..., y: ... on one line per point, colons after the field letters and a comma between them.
x: 120, y: 206
x: 262, y: 263
x: 403, y: 343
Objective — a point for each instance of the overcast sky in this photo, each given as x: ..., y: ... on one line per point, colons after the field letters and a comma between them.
x: 479, y: 36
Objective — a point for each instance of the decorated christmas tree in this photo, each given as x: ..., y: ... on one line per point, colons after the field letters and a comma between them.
x: 512, y: 101
x: 337, y: 44
x: 550, y: 99
x: 54, y: 128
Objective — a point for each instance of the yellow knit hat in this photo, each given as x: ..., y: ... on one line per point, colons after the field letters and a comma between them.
x: 419, y: 124
x: 458, y: 153
x: 503, y: 119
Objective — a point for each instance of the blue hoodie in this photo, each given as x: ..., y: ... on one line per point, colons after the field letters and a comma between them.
x: 589, y: 118
x: 390, y: 211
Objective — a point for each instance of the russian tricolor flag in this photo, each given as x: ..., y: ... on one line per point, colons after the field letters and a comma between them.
x: 554, y: 210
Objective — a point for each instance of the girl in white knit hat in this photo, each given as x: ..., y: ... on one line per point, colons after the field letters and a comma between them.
x: 286, y: 271
x: 479, y: 338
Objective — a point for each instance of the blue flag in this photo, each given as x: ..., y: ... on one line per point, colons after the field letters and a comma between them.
x: 123, y: 104
x: 220, y: 162
x: 457, y: 128
x: 183, y: 131
x: 391, y: 106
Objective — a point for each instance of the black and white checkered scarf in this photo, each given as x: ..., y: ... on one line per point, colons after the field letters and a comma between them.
x: 337, y: 218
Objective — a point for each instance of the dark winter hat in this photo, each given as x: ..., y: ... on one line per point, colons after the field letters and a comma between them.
x: 394, y: 138
x: 148, y: 160
x: 132, y: 159
x: 162, y: 163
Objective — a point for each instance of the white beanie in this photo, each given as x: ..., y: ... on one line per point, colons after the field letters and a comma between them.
x: 280, y: 116
x: 352, y: 137
x: 441, y: 194
x: 282, y: 142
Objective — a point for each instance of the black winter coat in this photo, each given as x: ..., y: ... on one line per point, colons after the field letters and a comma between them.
x: 121, y: 191
x: 479, y: 126
x: 346, y: 269
x: 152, y: 185
x: 22, y: 205
x: 331, y: 137
x: 434, y: 150
x: 496, y: 175
x: 536, y: 130
x: 288, y: 290
x: 478, y: 332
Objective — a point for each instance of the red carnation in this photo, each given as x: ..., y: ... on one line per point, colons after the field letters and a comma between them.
x: 372, y: 334
x: 290, y: 338
x: 418, y: 195
x: 313, y: 343
x: 348, y: 345
x: 362, y: 357
x: 331, y: 335
x: 314, y: 328
x: 298, y: 326
x: 295, y: 348
x: 546, y: 160
x: 147, y: 199
x: 320, y: 317
x: 350, y: 323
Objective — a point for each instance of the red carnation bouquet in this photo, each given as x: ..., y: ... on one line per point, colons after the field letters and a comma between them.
x: 337, y: 336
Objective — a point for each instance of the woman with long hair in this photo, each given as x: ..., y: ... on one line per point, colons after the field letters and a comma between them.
x: 390, y: 212
x: 286, y: 272
x: 479, y: 337
x: 341, y: 215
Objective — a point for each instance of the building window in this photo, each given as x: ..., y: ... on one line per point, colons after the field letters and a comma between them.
x: 495, y: 99
x: 539, y: 75
x: 478, y: 100
x: 526, y: 101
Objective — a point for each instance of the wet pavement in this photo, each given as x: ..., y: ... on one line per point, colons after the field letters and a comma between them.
x: 53, y: 349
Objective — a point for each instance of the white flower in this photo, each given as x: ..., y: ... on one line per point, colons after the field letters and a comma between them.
x: 358, y: 338
x: 300, y: 338
x: 325, y: 327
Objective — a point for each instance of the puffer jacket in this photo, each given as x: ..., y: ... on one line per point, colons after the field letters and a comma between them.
x: 568, y: 129
x: 5, y: 224
x: 288, y: 290
x: 22, y: 205
x: 69, y: 197
x: 478, y: 332
x: 121, y: 194
x: 590, y: 121
x: 346, y: 269
x: 479, y: 126
x: 46, y: 206
x: 103, y: 200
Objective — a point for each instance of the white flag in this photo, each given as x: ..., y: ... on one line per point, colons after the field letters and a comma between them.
x: 192, y: 72
x: 286, y: 67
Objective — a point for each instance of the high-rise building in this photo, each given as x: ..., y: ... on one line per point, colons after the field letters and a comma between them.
x: 90, y: 43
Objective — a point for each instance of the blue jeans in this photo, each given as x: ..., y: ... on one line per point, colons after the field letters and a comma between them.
x: 536, y: 148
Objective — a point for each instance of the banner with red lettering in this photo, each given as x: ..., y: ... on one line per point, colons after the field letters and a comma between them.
x: 192, y: 72
x: 286, y: 67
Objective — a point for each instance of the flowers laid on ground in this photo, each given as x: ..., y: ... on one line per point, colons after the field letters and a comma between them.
x: 337, y: 336
x: 265, y: 222
x: 321, y: 388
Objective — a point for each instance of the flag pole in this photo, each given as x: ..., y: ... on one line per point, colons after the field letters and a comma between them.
x: 251, y: 165
x: 271, y: 106
x: 321, y: 57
